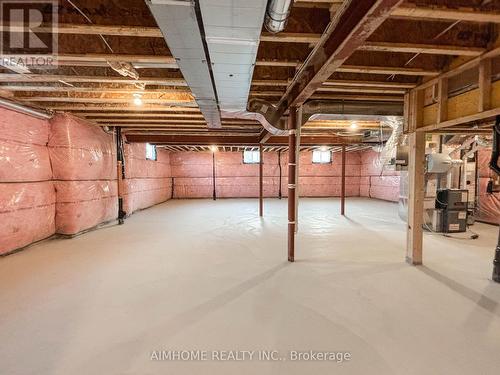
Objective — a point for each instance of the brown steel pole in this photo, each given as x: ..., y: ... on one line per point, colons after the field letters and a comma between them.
x: 292, y: 188
x: 261, y: 181
x: 342, y: 193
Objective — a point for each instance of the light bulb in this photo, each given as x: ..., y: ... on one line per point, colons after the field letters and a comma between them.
x: 137, y: 100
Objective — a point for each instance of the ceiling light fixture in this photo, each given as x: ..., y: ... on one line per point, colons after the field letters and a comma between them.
x: 138, y: 99
x: 354, y: 125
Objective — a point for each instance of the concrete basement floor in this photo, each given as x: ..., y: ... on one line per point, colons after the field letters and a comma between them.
x: 188, y: 275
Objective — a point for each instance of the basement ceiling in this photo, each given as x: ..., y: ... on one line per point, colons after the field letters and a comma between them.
x: 419, y: 40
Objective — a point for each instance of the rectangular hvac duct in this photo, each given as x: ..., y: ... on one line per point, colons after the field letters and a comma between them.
x: 182, y: 31
x: 232, y: 32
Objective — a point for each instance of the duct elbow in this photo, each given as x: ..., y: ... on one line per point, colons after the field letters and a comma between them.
x: 277, y: 15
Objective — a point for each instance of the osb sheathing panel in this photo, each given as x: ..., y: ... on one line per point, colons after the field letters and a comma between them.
x: 462, y: 105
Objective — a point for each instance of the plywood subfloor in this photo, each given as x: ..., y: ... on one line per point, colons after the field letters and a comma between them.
x: 204, y: 275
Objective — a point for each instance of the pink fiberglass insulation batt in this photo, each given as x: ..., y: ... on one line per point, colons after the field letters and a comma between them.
x: 488, y: 209
x: 27, y: 212
x: 147, y: 182
x: 80, y: 150
x: 23, y: 148
x: 27, y: 195
x: 83, y: 160
x: 192, y: 172
x: 376, y: 180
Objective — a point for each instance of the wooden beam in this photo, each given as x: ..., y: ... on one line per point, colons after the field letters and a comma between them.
x: 122, y: 108
x: 279, y: 63
x: 319, y: 95
x: 484, y: 102
x: 196, y: 140
x: 350, y: 28
x: 59, y: 99
x: 6, y: 77
x: 102, y: 116
x: 106, y: 90
x: 482, y: 116
x: 439, y: 13
x: 384, y: 84
x: 361, y: 90
x: 87, y: 29
x: 433, y: 49
x: 461, y: 68
x: 343, y: 83
x: 307, y: 38
x: 442, y: 100
x: 386, y: 70
x: 99, y: 57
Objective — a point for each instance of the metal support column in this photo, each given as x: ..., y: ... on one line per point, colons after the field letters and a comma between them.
x: 292, y: 188
x: 342, y: 192
x: 261, y: 181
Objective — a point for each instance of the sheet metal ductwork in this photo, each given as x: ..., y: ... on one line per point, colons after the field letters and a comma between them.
x: 275, y: 123
x: 232, y: 32
x: 277, y: 15
x: 215, y: 44
x: 183, y: 30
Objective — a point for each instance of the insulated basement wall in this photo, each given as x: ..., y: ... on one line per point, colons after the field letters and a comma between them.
x: 376, y: 181
x: 83, y: 161
x: 192, y: 175
x: 324, y: 180
x: 488, y: 209
x: 27, y: 195
x: 147, y: 182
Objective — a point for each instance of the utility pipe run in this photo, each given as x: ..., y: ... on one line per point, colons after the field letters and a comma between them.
x: 23, y: 109
x: 292, y: 188
x: 120, y: 172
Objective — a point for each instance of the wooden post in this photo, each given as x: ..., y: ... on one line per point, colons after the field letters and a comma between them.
x: 292, y: 188
x: 416, y: 170
x: 484, y: 85
x: 442, y: 100
x: 261, y: 181
x: 342, y: 193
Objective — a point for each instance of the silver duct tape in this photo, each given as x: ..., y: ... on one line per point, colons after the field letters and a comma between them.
x: 292, y: 186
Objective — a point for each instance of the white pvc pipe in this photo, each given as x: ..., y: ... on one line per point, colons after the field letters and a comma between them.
x: 22, y: 109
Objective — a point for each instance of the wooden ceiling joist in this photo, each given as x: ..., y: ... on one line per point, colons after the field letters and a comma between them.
x: 386, y: 70
x: 440, y: 13
x: 165, y: 101
x: 88, y: 29
x: 290, y: 37
x: 122, y: 108
x: 8, y: 77
x: 349, y: 29
x: 433, y: 49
